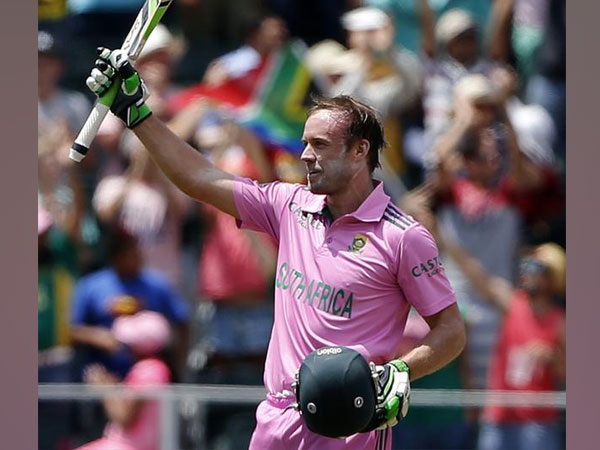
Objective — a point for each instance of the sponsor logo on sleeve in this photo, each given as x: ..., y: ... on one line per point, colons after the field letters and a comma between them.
x: 429, y: 268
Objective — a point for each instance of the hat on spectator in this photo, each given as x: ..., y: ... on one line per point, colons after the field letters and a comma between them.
x: 48, y: 44
x: 329, y: 57
x: 160, y: 39
x: 45, y: 220
x: 476, y: 88
x: 535, y: 132
x: 453, y: 23
x: 146, y: 332
x: 365, y: 18
x: 553, y: 256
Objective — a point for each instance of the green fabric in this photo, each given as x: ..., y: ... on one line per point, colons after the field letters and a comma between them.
x: 446, y: 378
x: 407, y: 19
x: 54, y: 286
x: 525, y: 42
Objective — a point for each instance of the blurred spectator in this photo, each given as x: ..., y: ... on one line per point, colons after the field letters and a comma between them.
x: 263, y: 36
x: 54, y: 103
x: 233, y: 78
x: 474, y: 209
x: 534, y: 31
x: 457, y: 39
x: 238, y: 331
x: 374, y: 70
x: 55, y: 282
x: 134, y: 424
x: 122, y: 288
x: 530, y: 354
x: 414, y: 19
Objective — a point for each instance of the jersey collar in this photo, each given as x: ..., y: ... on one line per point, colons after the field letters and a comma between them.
x: 371, y: 210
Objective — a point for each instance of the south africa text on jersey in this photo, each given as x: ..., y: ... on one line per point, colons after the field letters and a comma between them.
x: 315, y: 293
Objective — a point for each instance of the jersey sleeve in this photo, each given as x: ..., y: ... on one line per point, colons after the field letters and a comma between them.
x: 261, y: 206
x: 421, y: 273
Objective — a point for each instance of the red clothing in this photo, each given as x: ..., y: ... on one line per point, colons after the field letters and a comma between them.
x: 513, y: 365
x: 473, y: 201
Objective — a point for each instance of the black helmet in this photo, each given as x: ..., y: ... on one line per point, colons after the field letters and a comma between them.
x: 335, y: 392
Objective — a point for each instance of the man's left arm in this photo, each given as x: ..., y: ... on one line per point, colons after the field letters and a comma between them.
x: 444, y: 342
x: 425, y: 286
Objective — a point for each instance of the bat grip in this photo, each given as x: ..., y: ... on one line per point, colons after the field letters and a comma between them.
x: 88, y: 132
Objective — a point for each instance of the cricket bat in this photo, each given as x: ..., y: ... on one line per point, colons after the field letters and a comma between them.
x: 147, y: 19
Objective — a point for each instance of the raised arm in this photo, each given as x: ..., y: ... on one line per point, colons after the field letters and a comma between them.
x: 115, y: 79
x: 185, y: 167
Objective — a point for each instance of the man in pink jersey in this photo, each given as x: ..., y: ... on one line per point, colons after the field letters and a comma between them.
x: 350, y: 263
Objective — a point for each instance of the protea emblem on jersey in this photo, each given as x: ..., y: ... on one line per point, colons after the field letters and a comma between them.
x: 358, y: 244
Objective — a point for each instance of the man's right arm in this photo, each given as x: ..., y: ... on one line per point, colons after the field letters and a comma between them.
x: 190, y: 171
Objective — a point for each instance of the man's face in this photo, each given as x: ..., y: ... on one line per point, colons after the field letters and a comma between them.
x: 328, y: 163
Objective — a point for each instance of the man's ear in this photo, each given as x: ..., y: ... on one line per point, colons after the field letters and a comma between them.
x: 361, y: 149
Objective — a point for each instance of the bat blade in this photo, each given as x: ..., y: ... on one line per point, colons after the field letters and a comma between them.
x: 147, y: 19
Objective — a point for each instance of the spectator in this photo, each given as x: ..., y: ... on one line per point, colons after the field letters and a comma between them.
x: 238, y: 332
x: 534, y: 31
x: 54, y: 353
x: 146, y: 204
x: 530, y: 353
x: 387, y: 77
x: 473, y: 208
x: 414, y: 20
x: 263, y: 37
x: 122, y: 288
x: 458, y: 54
x: 56, y: 104
x: 134, y: 424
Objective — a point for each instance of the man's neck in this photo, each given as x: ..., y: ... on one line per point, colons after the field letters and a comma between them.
x: 348, y: 200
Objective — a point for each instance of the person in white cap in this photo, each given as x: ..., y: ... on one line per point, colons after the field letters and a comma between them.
x: 457, y: 55
x: 134, y: 423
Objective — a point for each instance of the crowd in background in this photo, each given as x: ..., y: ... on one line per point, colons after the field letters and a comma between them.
x: 472, y: 97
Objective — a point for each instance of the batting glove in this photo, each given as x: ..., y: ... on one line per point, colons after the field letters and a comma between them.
x: 392, y: 384
x: 117, y: 83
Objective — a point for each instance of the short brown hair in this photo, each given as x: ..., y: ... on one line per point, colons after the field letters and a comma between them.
x: 364, y: 123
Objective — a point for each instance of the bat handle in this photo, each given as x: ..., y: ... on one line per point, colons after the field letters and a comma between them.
x: 88, y: 132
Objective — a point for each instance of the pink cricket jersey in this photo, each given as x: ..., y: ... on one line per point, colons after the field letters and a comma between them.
x: 347, y: 283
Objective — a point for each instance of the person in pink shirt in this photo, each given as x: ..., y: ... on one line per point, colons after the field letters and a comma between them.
x: 350, y: 263
x: 134, y: 424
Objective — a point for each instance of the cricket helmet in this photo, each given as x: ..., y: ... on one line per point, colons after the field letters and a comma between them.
x: 335, y: 392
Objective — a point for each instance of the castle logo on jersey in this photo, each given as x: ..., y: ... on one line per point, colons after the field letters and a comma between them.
x: 315, y: 293
x: 358, y: 244
x: 430, y: 267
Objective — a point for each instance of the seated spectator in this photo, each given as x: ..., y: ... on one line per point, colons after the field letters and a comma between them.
x: 530, y: 353
x: 124, y: 287
x: 134, y: 424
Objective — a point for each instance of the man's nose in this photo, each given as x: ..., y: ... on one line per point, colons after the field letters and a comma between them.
x: 308, y: 155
